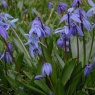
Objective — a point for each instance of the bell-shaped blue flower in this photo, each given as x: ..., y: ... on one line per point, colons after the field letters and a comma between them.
x: 88, y: 69
x: 3, y: 32
x: 4, y: 3
x: 74, y: 29
x: 60, y: 42
x: 50, y: 5
x: 46, y: 69
x: 34, y: 51
x: 75, y: 3
x: 61, y: 7
x: 6, y: 55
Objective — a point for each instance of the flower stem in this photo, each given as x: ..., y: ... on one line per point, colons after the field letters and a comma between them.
x: 51, y: 84
x: 20, y: 42
x: 84, y: 45
x: 12, y: 58
x: 77, y: 49
x: 91, y: 44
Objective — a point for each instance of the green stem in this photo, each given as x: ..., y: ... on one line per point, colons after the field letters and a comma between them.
x: 20, y: 42
x: 91, y: 44
x: 84, y: 45
x: 77, y: 49
x: 51, y: 84
x: 12, y: 57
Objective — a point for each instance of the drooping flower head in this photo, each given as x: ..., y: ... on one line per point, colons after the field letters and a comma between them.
x: 6, y: 55
x: 3, y: 32
x: 88, y: 69
x: 34, y: 51
x: 75, y: 3
x: 50, y: 5
x: 46, y: 69
x: 83, y: 17
x: 25, y: 11
x: 4, y: 3
x: 74, y: 29
x: 61, y: 7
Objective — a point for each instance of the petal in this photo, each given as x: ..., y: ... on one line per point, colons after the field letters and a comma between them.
x: 59, y: 30
x: 86, y: 24
x: 91, y: 3
x: 90, y: 12
x: 75, y: 17
x: 80, y: 31
x: 3, y: 33
x: 65, y: 17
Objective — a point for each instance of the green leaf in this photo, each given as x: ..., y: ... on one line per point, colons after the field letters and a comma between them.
x: 33, y: 89
x: 67, y: 71
x: 19, y: 59
x: 42, y: 85
x: 74, y: 48
x: 28, y: 75
x: 75, y: 79
x: 60, y: 88
x: 60, y: 60
x: 81, y: 93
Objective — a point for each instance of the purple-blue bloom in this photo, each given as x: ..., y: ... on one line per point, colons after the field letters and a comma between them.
x: 74, y: 29
x: 6, y: 55
x: 75, y: 3
x: 34, y: 51
x: 38, y: 77
x: 83, y: 17
x: 46, y: 69
x: 4, y: 3
x: 88, y: 69
x: 92, y: 10
x: 60, y: 42
x: 25, y: 11
x: 50, y: 5
x: 61, y: 7
x: 3, y: 32
x: 71, y: 16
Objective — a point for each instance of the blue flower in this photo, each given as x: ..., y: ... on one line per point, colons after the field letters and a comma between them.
x: 47, y: 31
x: 64, y: 32
x: 75, y: 3
x: 46, y: 69
x: 92, y: 10
x: 4, y: 3
x: 38, y: 77
x: 37, y: 27
x: 50, y: 5
x: 61, y: 7
x: 3, y: 32
x: 6, y: 55
x: 34, y: 51
x: 83, y: 17
x: 25, y: 11
x: 60, y: 42
x: 71, y: 16
x: 74, y: 29
x: 88, y: 69
x: 6, y: 18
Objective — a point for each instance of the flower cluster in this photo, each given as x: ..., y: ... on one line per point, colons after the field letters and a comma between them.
x: 5, y: 24
x: 38, y: 30
x: 74, y: 18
